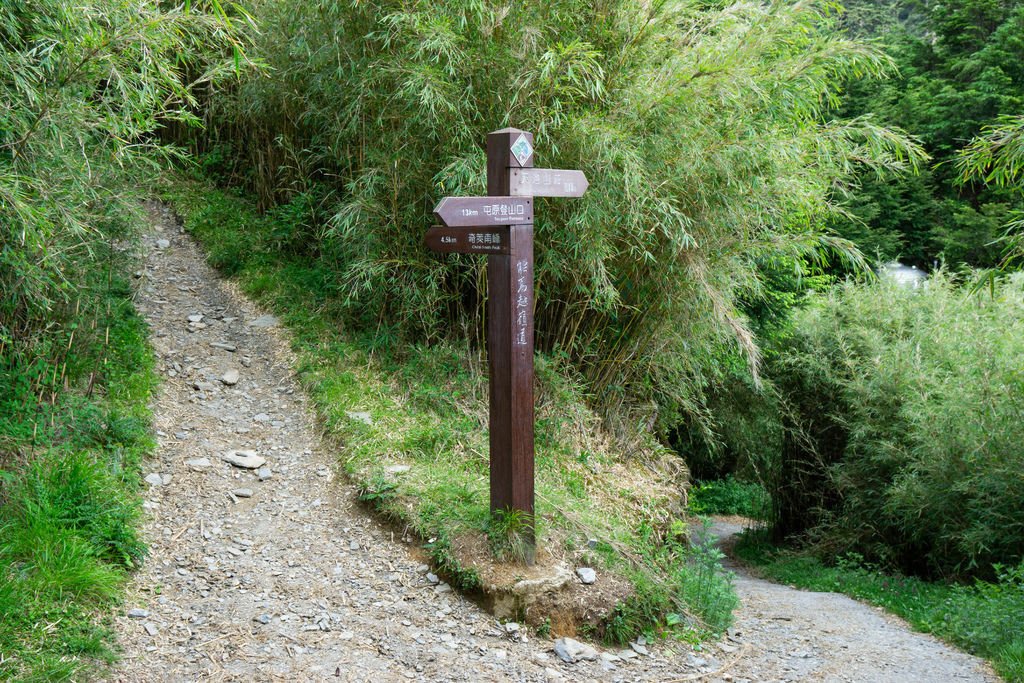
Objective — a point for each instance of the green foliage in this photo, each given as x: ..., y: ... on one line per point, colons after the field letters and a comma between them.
x: 84, y: 87
x: 997, y: 158
x: 440, y: 549
x: 730, y: 496
x: 696, y: 600
x: 960, y: 73
x: 377, y: 492
x: 902, y: 424
x: 997, y: 155
x: 707, y: 133
x: 68, y: 477
x: 983, y: 617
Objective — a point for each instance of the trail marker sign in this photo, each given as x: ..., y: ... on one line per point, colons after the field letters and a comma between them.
x: 501, y: 226
x: 547, y: 182
x: 469, y: 241
x: 480, y: 211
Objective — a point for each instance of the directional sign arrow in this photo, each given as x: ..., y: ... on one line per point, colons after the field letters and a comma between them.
x: 468, y: 240
x: 484, y: 211
x: 547, y: 182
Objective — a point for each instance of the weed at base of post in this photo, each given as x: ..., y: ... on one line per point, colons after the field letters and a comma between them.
x: 511, y: 535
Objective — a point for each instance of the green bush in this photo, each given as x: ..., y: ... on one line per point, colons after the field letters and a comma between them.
x: 730, y: 496
x: 902, y: 414
x: 69, y: 475
x: 84, y: 87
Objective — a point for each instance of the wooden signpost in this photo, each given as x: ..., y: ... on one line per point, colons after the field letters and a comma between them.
x: 501, y: 226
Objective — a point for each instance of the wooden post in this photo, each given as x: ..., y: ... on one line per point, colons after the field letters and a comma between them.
x: 501, y: 226
x: 510, y: 343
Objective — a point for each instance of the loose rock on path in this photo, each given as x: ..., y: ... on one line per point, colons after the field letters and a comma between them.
x: 263, y: 567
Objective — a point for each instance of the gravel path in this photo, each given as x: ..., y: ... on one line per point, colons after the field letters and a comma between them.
x: 286, y: 578
x: 795, y: 635
x: 277, y: 574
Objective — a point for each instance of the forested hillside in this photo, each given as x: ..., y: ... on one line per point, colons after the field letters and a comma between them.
x: 960, y: 72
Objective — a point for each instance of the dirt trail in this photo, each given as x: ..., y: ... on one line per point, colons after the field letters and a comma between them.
x: 795, y: 635
x: 278, y: 574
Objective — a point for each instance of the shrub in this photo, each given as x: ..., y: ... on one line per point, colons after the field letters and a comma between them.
x: 902, y: 413
x: 730, y: 496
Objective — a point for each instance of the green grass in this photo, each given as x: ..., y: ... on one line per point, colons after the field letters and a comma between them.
x: 427, y: 410
x: 983, y: 618
x: 69, y: 477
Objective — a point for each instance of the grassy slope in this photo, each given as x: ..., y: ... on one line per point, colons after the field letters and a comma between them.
x: 984, y: 619
x: 69, y: 480
x: 428, y: 410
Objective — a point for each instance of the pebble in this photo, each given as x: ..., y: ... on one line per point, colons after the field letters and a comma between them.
x: 243, y: 493
x: 264, y: 321
x: 569, y: 650
x: 587, y: 575
x: 151, y: 629
x: 198, y: 463
x: 163, y: 244
x: 203, y: 386
x: 224, y: 346
x: 154, y: 479
x: 432, y: 578
x: 196, y: 318
x: 398, y: 469
x: 263, y: 618
x: 359, y: 416
x: 264, y: 473
x: 244, y: 459
x: 230, y: 378
x: 138, y: 613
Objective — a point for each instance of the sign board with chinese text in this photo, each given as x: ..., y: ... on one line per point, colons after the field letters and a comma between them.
x: 456, y: 212
x: 468, y: 240
x: 547, y: 182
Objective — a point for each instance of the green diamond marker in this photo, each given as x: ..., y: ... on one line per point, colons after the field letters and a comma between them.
x: 521, y: 149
